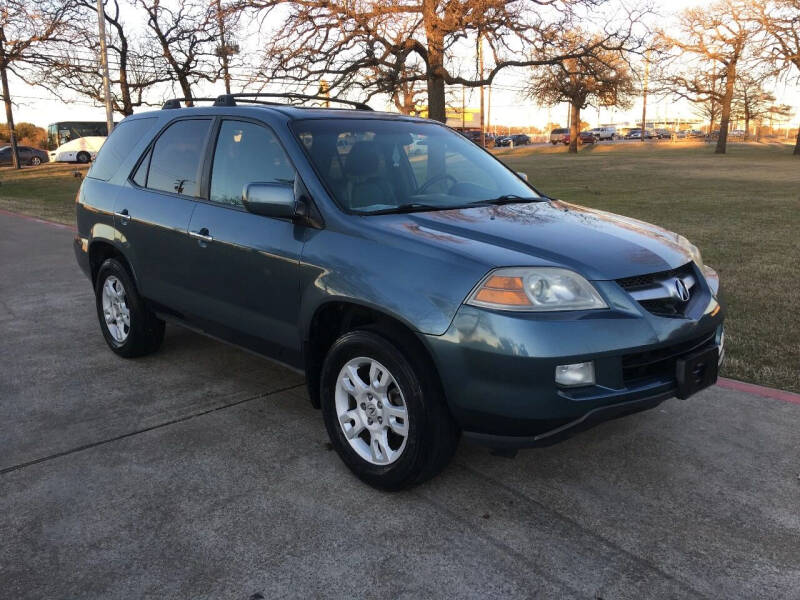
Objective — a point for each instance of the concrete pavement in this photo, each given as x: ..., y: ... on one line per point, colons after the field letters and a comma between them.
x: 203, y: 472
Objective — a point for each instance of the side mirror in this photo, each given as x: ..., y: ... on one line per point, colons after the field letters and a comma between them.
x: 523, y: 176
x: 275, y: 200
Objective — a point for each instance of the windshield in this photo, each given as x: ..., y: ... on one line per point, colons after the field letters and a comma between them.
x: 378, y: 166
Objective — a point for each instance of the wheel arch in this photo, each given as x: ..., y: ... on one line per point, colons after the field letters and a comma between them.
x: 102, y: 249
x: 333, y: 318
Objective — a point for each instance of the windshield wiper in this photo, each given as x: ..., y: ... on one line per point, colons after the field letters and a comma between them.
x: 506, y: 199
x: 405, y: 208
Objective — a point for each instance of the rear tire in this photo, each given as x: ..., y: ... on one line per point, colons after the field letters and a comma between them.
x: 365, y: 378
x: 129, y: 327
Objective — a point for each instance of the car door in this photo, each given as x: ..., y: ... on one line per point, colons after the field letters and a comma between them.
x: 245, y: 267
x: 153, y: 213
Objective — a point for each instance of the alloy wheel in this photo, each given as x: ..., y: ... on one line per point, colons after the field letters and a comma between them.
x: 115, y: 309
x: 371, y: 411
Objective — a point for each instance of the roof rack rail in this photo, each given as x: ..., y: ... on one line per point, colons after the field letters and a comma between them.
x: 176, y: 102
x: 230, y: 100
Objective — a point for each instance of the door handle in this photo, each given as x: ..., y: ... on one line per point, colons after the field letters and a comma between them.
x: 123, y: 215
x: 201, y: 235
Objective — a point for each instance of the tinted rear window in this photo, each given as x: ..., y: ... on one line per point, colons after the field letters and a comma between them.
x: 177, y: 157
x: 557, y: 131
x: 118, y: 145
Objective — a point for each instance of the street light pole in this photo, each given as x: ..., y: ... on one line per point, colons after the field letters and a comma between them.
x: 644, y: 93
x: 101, y: 26
x: 480, y: 76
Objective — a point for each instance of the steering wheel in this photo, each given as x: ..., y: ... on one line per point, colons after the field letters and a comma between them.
x: 436, y: 179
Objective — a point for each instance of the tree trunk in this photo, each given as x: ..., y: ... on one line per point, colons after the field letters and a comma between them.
x: 797, y: 144
x: 124, y: 88
x: 435, y: 62
x: 9, y: 116
x: 186, y: 88
x: 730, y: 80
x: 574, y: 128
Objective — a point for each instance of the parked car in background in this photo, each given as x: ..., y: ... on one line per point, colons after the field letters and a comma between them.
x: 418, y: 146
x: 475, y: 137
x: 737, y: 133
x: 82, y: 150
x: 605, y: 133
x: 694, y: 133
x: 559, y: 136
x: 518, y: 139
x: 425, y: 299
x: 663, y: 134
x: 27, y: 156
x: 636, y: 134
x: 586, y: 137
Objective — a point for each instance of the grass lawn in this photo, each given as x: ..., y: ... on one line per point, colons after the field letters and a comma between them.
x: 47, y: 191
x: 742, y: 209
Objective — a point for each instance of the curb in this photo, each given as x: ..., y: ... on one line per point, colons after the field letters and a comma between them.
x: 758, y: 390
x: 38, y: 220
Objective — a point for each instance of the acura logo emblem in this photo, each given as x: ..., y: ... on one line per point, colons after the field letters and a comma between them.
x: 682, y: 291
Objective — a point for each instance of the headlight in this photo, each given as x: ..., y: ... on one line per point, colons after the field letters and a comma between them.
x: 693, y: 251
x: 536, y: 289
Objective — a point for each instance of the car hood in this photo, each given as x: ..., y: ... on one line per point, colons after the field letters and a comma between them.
x: 598, y: 244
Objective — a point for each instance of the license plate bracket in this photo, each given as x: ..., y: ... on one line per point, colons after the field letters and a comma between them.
x: 697, y: 371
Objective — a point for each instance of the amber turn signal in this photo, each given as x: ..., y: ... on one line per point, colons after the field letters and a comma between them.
x: 503, y: 290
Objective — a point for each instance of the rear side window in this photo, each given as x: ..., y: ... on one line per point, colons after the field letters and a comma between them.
x: 246, y: 153
x: 177, y: 158
x: 118, y: 145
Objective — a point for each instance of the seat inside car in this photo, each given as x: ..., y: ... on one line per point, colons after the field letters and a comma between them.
x: 366, y: 178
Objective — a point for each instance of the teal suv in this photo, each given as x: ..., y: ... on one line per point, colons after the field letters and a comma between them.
x: 426, y: 291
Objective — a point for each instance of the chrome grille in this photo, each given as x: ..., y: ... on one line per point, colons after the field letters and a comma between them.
x: 666, y: 293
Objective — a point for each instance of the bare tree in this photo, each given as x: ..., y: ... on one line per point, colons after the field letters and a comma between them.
x: 226, y: 19
x: 781, y: 22
x: 24, y: 29
x: 341, y: 40
x: 187, y: 36
x: 75, y: 67
x: 719, y: 35
x: 751, y: 101
x: 603, y: 77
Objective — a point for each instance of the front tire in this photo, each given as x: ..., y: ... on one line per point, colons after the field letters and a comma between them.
x: 35, y: 161
x: 83, y: 157
x: 384, y: 411
x: 129, y: 327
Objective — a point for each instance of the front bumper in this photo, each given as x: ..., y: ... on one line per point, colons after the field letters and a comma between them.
x: 497, y: 368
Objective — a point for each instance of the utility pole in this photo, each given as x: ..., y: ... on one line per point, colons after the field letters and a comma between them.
x: 223, y: 50
x: 7, y: 100
x: 644, y: 91
x: 101, y: 26
x: 463, y: 111
x: 480, y: 76
x: 489, y: 111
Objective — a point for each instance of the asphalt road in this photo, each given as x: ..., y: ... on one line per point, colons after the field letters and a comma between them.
x: 203, y: 472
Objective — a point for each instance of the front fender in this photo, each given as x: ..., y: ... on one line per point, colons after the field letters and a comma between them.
x: 419, y: 287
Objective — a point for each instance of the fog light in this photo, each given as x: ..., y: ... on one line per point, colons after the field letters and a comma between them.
x: 575, y: 374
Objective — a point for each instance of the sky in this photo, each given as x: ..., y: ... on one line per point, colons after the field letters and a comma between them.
x: 37, y: 105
